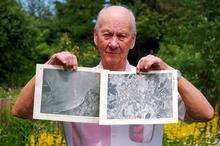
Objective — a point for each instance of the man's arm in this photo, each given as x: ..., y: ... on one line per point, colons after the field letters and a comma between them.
x: 23, y: 106
x: 197, y: 107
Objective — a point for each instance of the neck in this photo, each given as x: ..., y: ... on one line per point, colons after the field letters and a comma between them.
x: 114, y: 67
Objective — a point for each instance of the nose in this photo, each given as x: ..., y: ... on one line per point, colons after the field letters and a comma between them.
x: 113, y: 42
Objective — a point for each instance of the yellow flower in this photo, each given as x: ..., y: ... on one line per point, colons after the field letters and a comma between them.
x: 198, y: 130
x: 47, y: 139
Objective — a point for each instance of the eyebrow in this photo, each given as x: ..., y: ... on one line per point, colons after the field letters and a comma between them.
x: 107, y: 30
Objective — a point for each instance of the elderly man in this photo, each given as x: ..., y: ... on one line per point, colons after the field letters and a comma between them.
x: 114, y: 35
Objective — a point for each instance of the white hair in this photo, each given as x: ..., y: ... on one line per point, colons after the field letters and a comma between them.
x: 133, y: 22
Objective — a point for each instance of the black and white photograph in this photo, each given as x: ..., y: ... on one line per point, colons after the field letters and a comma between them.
x: 145, y: 98
x: 66, y: 95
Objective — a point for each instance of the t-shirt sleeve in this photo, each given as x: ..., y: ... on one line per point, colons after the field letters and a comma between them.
x: 181, y: 108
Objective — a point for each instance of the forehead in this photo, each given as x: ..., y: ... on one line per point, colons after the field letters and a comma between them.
x: 115, y: 21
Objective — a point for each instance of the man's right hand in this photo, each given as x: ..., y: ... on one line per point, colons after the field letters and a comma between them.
x: 65, y: 59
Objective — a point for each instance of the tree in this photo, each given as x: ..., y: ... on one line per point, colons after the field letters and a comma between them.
x: 16, y: 43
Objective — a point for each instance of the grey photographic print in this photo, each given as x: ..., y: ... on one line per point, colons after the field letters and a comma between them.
x: 142, y: 96
x: 145, y: 98
x: 67, y: 95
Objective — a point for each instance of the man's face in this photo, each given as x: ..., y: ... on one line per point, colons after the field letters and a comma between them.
x: 114, y: 38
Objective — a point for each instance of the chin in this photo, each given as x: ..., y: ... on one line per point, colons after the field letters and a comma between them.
x: 111, y: 61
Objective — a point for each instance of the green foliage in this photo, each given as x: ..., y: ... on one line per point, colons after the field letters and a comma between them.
x: 90, y: 56
x: 16, y: 43
x: 196, y: 37
x: 8, y: 93
x: 16, y: 132
x: 75, y: 17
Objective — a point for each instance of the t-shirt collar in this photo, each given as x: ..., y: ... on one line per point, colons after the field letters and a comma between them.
x: 127, y: 68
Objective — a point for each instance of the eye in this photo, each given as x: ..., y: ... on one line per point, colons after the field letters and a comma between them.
x: 121, y: 36
x: 107, y: 35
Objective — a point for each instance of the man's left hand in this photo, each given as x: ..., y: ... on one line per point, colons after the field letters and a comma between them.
x: 151, y: 62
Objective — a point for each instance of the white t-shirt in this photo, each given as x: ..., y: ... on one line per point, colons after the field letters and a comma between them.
x: 92, y: 134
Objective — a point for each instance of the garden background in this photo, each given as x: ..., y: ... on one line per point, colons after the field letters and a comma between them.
x: 184, y: 33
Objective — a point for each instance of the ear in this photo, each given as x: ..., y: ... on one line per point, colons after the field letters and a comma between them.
x: 133, y: 41
x: 95, y: 36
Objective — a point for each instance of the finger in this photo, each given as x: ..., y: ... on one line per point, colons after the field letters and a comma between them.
x: 154, y: 63
x: 142, y: 65
x: 72, y: 62
x: 75, y: 64
x: 146, y: 63
x: 58, y: 59
x: 138, y: 67
x: 68, y: 60
x: 52, y: 59
x: 61, y: 58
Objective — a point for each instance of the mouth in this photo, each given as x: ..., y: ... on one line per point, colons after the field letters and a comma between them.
x: 108, y: 52
x: 113, y: 51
